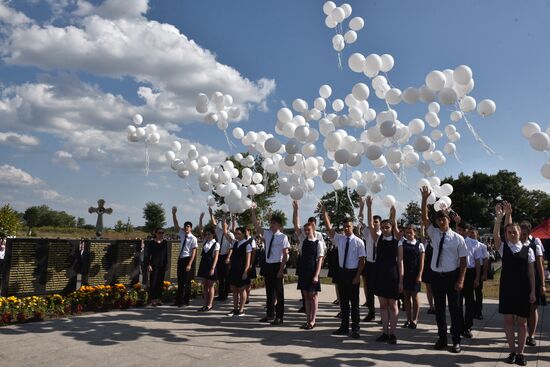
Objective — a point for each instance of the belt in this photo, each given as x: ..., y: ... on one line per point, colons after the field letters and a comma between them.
x: 444, y: 273
x: 349, y: 270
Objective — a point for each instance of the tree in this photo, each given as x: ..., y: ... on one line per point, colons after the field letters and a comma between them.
x: 80, y: 222
x: 41, y: 216
x: 154, y: 216
x: 412, y: 214
x: 338, y: 206
x: 474, y: 198
x: 281, y: 215
x: 10, y: 221
x: 263, y: 201
x: 120, y: 226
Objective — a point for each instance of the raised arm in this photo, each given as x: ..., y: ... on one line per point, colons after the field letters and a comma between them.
x: 296, y: 218
x: 361, y: 218
x: 425, y: 191
x: 212, y: 218
x: 507, y: 207
x: 255, y: 221
x: 201, y: 217
x: 393, y: 220
x: 175, y: 219
x: 326, y: 219
x: 370, y: 221
x: 499, y: 214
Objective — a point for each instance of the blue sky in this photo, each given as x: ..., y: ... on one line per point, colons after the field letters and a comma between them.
x: 66, y: 99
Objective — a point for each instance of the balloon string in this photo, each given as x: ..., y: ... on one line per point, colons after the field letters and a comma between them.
x: 401, y: 182
x: 340, y: 61
x: 348, y: 191
x: 229, y: 142
x: 146, y: 159
x: 457, y: 157
x: 477, y: 137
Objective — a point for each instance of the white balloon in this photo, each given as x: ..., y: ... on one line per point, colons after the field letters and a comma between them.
x: 432, y: 119
x: 388, y: 129
x: 435, y: 80
x: 373, y: 62
x: 446, y: 190
x: 393, y: 96
x: 202, y: 99
x: 434, y: 107
x: 360, y: 91
x: 338, y: 185
x: 284, y: 115
x: 176, y: 146
x: 486, y: 107
x: 193, y: 154
x: 201, y: 108
x: 376, y: 187
x: 350, y: 37
x: 222, y: 124
x: 462, y: 74
x: 341, y: 156
x: 137, y: 119
x: 296, y: 193
x: 530, y: 128
x: 325, y: 91
x: 387, y: 63
x: 338, y: 14
x: 320, y: 103
x: 394, y: 156
x: 330, y: 22
x: 449, y: 148
x: 545, y: 170
x: 227, y: 100
x: 356, y: 23
x: 352, y: 184
x: 330, y: 175
x: 131, y: 129
x: 416, y: 126
x: 140, y: 132
x: 423, y: 183
x: 410, y: 95
x: 356, y: 63
x: 426, y: 94
x: 436, y: 134
x: 211, y: 118
x: 539, y: 141
x: 467, y: 104
x: 448, y: 96
x: 338, y: 105
x: 202, y: 161
x: 347, y: 9
x: 328, y: 7
x: 456, y: 116
x: 422, y: 143
x: 389, y: 201
x: 238, y: 133
x: 257, y: 177
x: 338, y: 43
x: 299, y: 105
x: 170, y: 156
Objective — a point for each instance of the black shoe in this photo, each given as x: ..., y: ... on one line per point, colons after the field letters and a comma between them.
x: 233, y: 313
x: 365, y: 304
x: 341, y: 331
x: 383, y: 338
x: 267, y: 319
x: 511, y: 358
x: 530, y: 342
x: 304, y: 326
x: 369, y: 317
x: 355, y: 334
x: 247, y: 302
x: 239, y: 313
x: 302, y: 309
x: 467, y: 334
x: 277, y: 321
x: 440, y: 344
x: 412, y: 325
x: 392, y: 339
x: 406, y: 325
x: 456, y: 348
x: 431, y: 311
x: 520, y: 360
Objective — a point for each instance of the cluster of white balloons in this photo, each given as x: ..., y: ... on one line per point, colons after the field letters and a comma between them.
x: 148, y: 133
x: 539, y: 141
x: 335, y: 19
x: 223, y: 109
x: 186, y: 161
x: 439, y: 196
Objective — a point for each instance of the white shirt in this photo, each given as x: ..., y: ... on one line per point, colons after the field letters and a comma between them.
x: 318, y: 237
x: 190, y: 244
x: 2, y: 254
x: 515, y: 248
x: 356, y: 250
x: 248, y: 246
x: 369, y: 243
x: 454, y: 248
x: 413, y: 242
x: 474, y: 252
x: 280, y: 242
x: 483, y: 250
x: 253, y: 244
x: 320, y: 245
x: 539, y: 248
x: 225, y: 245
x: 209, y: 244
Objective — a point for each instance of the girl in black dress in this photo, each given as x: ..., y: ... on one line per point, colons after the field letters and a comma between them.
x: 413, y: 264
x: 239, y: 267
x: 252, y: 273
x: 388, y: 267
x: 309, y: 266
x: 156, y: 260
x: 427, y: 272
x: 207, y: 268
x: 517, y: 282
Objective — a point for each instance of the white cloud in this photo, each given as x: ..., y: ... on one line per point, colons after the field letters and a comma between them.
x: 18, y: 140
x: 52, y: 195
x: 13, y: 176
x: 66, y: 159
x: 113, y: 9
x: 11, y: 16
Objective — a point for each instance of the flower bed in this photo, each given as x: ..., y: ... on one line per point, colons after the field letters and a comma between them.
x: 92, y: 299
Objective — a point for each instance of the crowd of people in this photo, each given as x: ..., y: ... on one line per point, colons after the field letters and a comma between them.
x: 391, y: 260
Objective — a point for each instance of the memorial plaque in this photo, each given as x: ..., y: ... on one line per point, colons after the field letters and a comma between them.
x: 102, y: 259
x: 61, y: 277
x: 27, y: 267
x: 173, y: 253
x: 127, y: 264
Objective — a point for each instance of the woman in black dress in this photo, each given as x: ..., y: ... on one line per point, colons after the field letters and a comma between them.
x: 309, y: 266
x: 156, y: 260
x: 388, y: 267
x: 239, y: 267
x: 207, y: 268
x: 517, y: 282
x: 413, y: 264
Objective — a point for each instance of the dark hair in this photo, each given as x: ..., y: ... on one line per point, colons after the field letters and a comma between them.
x: 241, y: 229
x: 462, y: 225
x: 515, y: 224
x: 411, y: 226
x: 188, y: 224
x: 525, y: 224
x: 312, y: 220
x: 375, y: 217
x: 386, y: 221
x: 211, y: 230
x: 277, y: 219
x: 158, y: 229
x: 308, y: 224
x: 442, y: 214
x: 347, y: 220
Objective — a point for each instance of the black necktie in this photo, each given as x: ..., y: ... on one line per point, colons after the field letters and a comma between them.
x: 374, y: 246
x: 440, y: 250
x: 183, y: 245
x: 346, y: 254
x: 270, y: 244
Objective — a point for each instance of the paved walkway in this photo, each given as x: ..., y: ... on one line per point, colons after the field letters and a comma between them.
x: 168, y: 336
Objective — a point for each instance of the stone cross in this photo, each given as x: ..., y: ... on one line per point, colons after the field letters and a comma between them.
x: 100, y: 210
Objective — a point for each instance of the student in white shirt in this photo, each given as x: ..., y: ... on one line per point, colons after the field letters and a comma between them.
x: 252, y: 273
x: 540, y: 288
x: 448, y: 272
x: 186, y: 257
x: 223, y: 260
x: 276, y: 256
x: 484, y: 261
x: 351, y: 258
x: 517, y: 282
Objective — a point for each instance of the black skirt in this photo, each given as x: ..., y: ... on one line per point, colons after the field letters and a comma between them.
x: 386, y: 283
x: 307, y: 265
x: 238, y: 264
x: 207, y: 259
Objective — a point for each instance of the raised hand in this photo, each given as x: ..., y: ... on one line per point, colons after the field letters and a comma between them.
x: 201, y: 216
x: 425, y: 191
x: 499, y: 211
x: 507, y: 207
x: 369, y: 200
x: 174, y: 210
x: 210, y: 210
x: 361, y: 201
x: 294, y: 204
